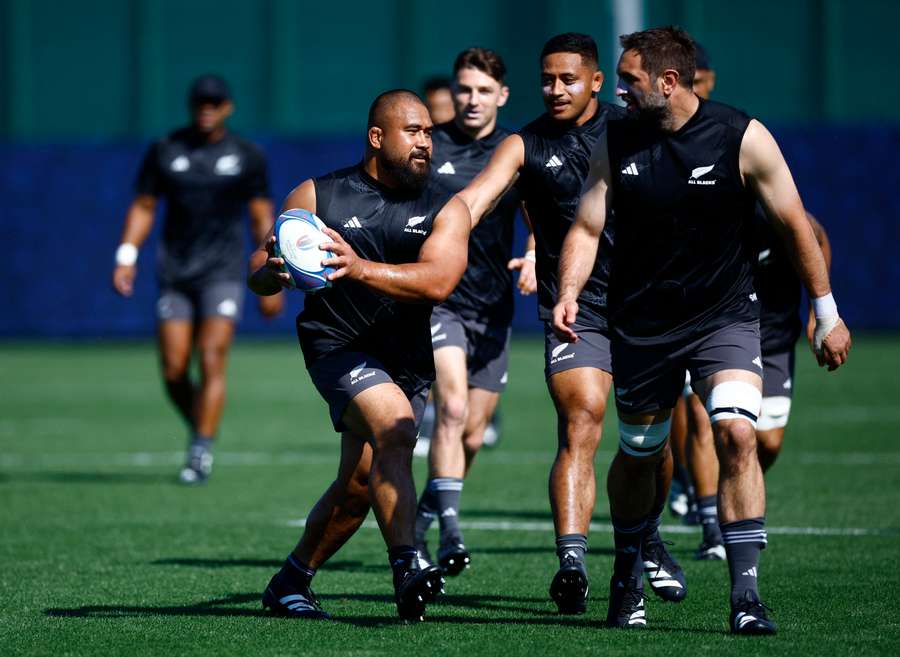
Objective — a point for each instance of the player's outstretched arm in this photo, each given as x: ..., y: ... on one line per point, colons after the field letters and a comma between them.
x: 442, y: 261
x: 261, y: 225
x: 501, y: 172
x: 267, y: 276
x: 138, y: 224
x: 579, y: 249
x: 765, y: 170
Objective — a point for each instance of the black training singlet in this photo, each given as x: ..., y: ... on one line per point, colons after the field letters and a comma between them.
x: 685, y: 231
x: 485, y: 291
x: 381, y: 225
x: 206, y: 188
x: 779, y: 290
x: 557, y: 161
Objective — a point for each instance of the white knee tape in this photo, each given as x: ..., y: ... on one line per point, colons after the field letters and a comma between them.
x: 774, y: 413
x: 687, y: 391
x: 734, y: 400
x: 643, y: 439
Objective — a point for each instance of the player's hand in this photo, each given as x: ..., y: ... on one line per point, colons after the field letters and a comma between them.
x: 564, y: 314
x: 835, y: 346
x: 527, y: 283
x: 123, y: 279
x: 344, y: 259
x: 272, y: 305
x: 274, y: 269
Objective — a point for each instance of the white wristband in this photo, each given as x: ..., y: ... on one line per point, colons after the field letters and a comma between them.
x: 824, y: 306
x: 126, y: 254
x: 530, y: 256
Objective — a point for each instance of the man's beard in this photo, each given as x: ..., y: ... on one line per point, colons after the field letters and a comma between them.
x: 654, y: 109
x: 407, y: 177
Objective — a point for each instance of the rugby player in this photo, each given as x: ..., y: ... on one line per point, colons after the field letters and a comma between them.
x: 779, y: 291
x: 550, y: 158
x: 207, y: 175
x: 439, y: 100
x: 400, y: 243
x: 682, y: 176
x: 470, y: 330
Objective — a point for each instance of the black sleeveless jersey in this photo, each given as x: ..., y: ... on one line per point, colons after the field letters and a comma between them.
x: 557, y: 161
x: 779, y: 290
x: 685, y: 229
x: 485, y: 291
x: 206, y: 188
x: 381, y: 225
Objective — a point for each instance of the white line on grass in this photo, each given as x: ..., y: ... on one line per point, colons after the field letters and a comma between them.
x: 546, y: 526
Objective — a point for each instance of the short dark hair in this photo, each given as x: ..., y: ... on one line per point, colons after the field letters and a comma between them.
x: 435, y: 83
x: 703, y: 60
x: 481, y: 59
x: 580, y: 44
x: 384, y: 101
x: 662, y: 48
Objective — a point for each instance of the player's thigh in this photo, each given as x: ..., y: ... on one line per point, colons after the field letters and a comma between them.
x: 581, y: 393
x: 214, y: 335
x: 383, y: 414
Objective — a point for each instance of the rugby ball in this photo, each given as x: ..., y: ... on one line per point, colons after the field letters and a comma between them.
x: 298, y: 234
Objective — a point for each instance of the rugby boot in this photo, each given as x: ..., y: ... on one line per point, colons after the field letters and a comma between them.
x: 569, y: 588
x: 748, y: 616
x: 626, y: 603
x: 665, y: 576
x: 414, y: 589
x: 291, y: 599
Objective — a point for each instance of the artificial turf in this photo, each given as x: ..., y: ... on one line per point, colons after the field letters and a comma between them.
x: 102, y: 553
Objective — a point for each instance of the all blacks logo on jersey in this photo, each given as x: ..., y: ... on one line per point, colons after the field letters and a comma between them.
x: 698, y: 173
x: 413, y: 222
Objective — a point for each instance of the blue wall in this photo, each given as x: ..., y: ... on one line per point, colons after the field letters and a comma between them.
x: 63, y: 208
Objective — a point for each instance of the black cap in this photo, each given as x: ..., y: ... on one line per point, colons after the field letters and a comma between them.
x: 703, y: 62
x: 209, y: 88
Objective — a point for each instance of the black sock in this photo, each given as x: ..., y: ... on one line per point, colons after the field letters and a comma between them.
x: 743, y: 541
x: 447, y: 491
x: 628, y: 561
x: 403, y: 558
x: 181, y: 392
x: 571, y: 546
x: 425, y: 514
x: 709, y: 520
x: 296, y: 572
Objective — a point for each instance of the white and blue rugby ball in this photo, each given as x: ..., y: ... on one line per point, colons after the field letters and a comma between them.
x: 298, y: 234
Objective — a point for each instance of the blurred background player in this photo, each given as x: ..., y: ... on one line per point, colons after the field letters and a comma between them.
x: 550, y: 157
x: 207, y: 176
x: 470, y: 331
x: 780, y: 293
x: 439, y: 99
x: 400, y: 244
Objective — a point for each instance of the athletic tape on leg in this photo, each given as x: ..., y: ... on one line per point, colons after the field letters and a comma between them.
x: 774, y: 413
x: 643, y: 439
x: 734, y: 400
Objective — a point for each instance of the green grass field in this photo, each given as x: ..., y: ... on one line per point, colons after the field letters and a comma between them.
x: 102, y: 553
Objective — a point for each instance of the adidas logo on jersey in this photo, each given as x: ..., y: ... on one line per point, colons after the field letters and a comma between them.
x: 701, y: 171
x: 180, y: 163
x: 630, y: 170
x: 447, y: 168
x: 228, y: 165
x: 554, y: 162
x: 413, y: 222
x: 352, y: 222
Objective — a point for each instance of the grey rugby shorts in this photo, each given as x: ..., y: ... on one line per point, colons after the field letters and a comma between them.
x: 201, y: 301
x: 486, y: 347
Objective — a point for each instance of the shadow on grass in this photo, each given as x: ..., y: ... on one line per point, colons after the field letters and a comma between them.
x: 271, y: 564
x: 542, y: 613
x: 92, y: 477
x: 545, y: 549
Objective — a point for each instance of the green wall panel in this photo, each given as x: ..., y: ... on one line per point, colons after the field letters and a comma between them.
x: 112, y: 69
